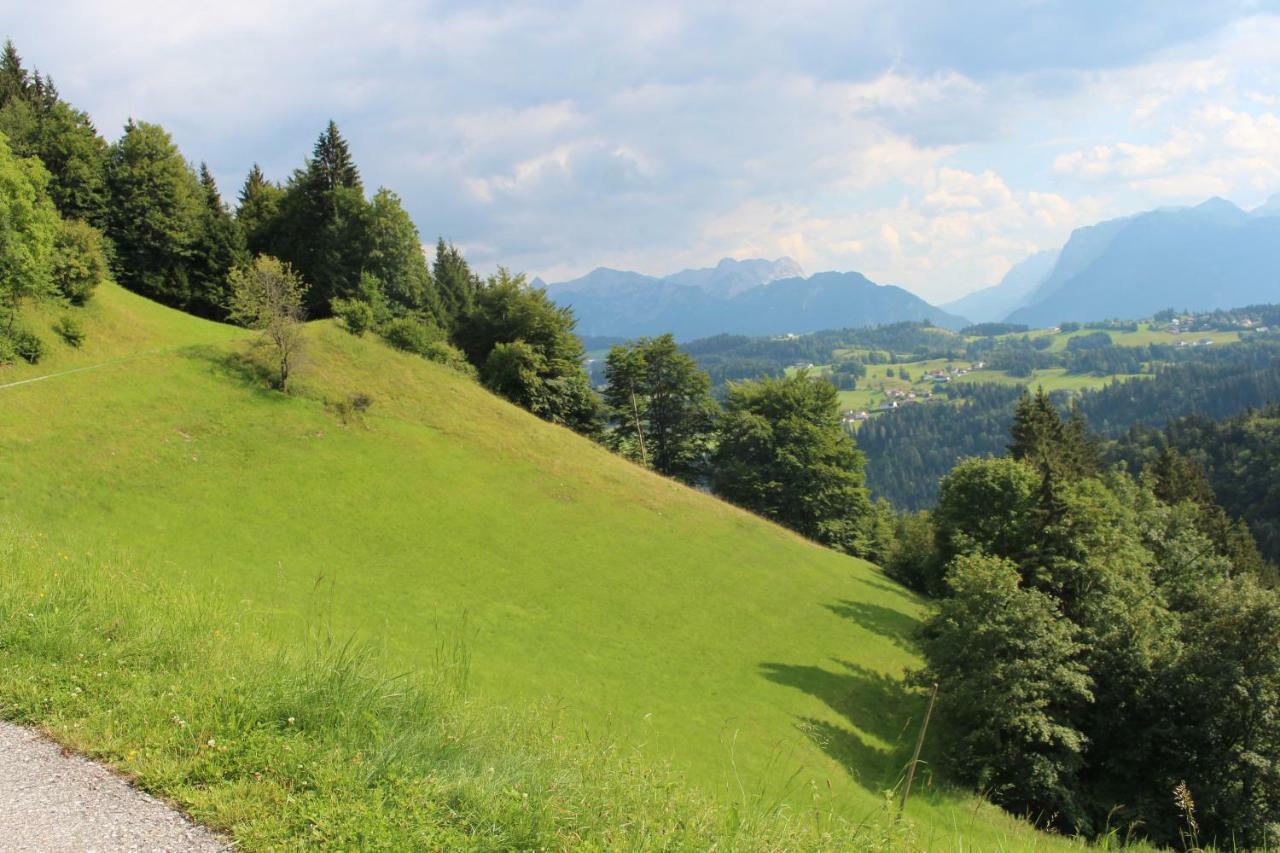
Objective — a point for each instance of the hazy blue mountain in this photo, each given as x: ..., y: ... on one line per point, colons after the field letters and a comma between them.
x: 1210, y: 256
x: 1271, y: 207
x: 994, y: 303
x: 740, y: 297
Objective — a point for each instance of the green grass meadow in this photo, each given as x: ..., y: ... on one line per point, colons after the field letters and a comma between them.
x: 656, y: 623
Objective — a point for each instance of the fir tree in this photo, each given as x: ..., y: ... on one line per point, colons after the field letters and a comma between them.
x: 258, y: 212
x: 455, y: 283
x: 332, y: 165
x: 15, y: 82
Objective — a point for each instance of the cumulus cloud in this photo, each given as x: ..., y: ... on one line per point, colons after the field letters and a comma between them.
x: 931, y: 147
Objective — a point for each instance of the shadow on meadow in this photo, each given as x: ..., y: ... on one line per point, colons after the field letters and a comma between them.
x: 245, y: 366
x: 878, y: 717
x: 895, y: 626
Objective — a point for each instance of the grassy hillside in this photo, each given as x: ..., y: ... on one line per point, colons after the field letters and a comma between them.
x: 756, y: 662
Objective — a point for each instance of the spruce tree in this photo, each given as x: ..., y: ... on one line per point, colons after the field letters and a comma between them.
x: 1037, y: 430
x: 455, y: 283
x: 258, y: 212
x: 218, y: 248
x: 15, y: 82
x: 324, y: 223
x: 332, y: 165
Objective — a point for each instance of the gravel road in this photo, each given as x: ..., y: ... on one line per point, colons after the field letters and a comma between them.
x: 49, y: 801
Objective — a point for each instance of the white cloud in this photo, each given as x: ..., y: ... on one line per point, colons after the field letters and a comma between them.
x: 915, y: 145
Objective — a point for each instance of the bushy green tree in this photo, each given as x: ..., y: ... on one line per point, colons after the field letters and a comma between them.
x: 1012, y: 679
x: 39, y: 124
x: 79, y: 261
x: 660, y: 406
x: 397, y: 259
x: 155, y: 217
x: 1223, y: 697
x: 782, y: 453
x: 525, y: 349
x: 29, y: 229
x: 985, y: 505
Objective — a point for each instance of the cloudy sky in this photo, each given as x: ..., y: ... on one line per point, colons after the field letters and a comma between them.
x: 926, y: 144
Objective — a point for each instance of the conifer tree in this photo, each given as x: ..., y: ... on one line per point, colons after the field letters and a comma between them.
x: 456, y: 285
x: 218, y: 248
x: 324, y: 222
x: 331, y: 163
x: 258, y: 211
x: 15, y: 82
x: 1037, y: 430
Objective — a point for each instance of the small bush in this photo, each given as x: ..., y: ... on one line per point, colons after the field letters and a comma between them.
x: 411, y: 335
x: 8, y: 355
x: 70, y: 330
x: 444, y: 353
x: 357, y: 316
x: 26, y: 345
x: 352, y: 409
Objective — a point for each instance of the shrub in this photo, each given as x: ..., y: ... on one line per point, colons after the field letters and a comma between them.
x: 353, y: 408
x: 70, y: 330
x: 442, y: 352
x: 26, y: 345
x: 356, y: 315
x: 411, y: 335
x: 7, y: 353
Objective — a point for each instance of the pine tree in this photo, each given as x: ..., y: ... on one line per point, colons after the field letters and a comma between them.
x: 15, y: 82
x: 323, y: 229
x: 454, y: 282
x: 219, y: 247
x: 331, y: 163
x: 258, y: 212
x: 1037, y: 430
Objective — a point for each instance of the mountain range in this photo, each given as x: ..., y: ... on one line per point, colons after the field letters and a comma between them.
x: 747, y: 297
x: 1214, y: 255
x: 1210, y: 256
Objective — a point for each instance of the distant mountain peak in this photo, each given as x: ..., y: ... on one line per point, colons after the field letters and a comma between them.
x: 1270, y: 207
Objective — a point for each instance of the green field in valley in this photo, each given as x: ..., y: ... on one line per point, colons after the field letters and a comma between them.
x: 762, y: 666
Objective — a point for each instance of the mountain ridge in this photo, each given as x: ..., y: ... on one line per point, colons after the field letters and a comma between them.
x: 748, y: 297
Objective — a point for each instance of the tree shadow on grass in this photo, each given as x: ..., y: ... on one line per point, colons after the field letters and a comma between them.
x: 880, y: 711
x: 245, y: 367
x: 895, y: 626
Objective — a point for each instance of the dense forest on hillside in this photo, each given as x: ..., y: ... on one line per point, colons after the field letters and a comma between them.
x: 1239, y: 457
x: 910, y: 450
x: 1106, y: 649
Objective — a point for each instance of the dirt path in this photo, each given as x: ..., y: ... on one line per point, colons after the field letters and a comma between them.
x: 59, y: 373
x: 54, y: 802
